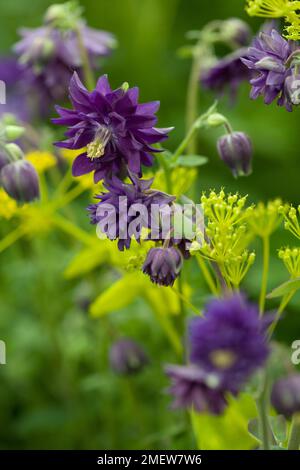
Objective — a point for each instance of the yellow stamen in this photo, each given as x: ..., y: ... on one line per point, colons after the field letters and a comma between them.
x: 222, y: 358
x: 96, y: 148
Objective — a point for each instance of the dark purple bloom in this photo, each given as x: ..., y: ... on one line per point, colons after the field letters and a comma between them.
x: 163, y: 265
x: 125, y: 209
x: 285, y: 395
x: 20, y: 180
x: 235, y: 149
x: 114, y: 127
x: 127, y: 357
x: 269, y: 59
x: 49, y: 56
x: 228, y: 72
x: 193, y: 388
x: 229, y: 341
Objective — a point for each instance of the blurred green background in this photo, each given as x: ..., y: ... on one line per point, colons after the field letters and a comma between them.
x: 57, y: 390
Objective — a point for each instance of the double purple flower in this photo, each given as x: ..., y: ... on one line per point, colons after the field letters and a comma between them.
x: 226, y: 347
x: 115, y: 132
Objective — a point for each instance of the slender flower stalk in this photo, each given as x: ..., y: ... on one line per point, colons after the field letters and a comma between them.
x: 264, y: 282
x: 294, y: 439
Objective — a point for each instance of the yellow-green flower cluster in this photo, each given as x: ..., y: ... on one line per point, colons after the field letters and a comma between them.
x: 291, y: 260
x: 227, y: 234
x: 291, y: 219
x: 265, y: 218
x: 287, y: 9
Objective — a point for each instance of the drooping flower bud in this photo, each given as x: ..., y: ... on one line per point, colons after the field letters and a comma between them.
x: 20, y: 180
x: 286, y: 395
x: 292, y: 89
x: 237, y: 32
x: 163, y: 265
x: 235, y: 149
x: 127, y: 357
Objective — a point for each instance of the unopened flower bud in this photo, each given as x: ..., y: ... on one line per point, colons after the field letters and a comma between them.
x: 292, y: 89
x: 286, y: 395
x: 13, y: 132
x: 235, y: 149
x: 127, y: 357
x: 236, y: 31
x: 20, y: 180
x: 15, y: 151
x: 216, y: 120
x: 163, y: 265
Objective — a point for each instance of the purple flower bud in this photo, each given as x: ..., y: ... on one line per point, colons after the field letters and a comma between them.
x: 4, y: 159
x: 127, y: 357
x: 20, y: 180
x: 286, y: 395
x: 235, y: 149
x: 163, y: 265
x: 292, y: 89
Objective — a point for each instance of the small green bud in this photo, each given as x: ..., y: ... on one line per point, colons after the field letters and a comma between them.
x: 14, y: 151
x: 216, y: 120
x: 13, y: 132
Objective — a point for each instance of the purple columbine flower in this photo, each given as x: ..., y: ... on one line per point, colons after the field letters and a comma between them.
x: 285, y: 395
x: 269, y: 59
x: 163, y: 265
x: 116, y: 130
x: 127, y: 357
x: 12, y: 74
x: 228, y: 72
x: 229, y: 341
x: 50, y: 55
x: 123, y: 204
x: 194, y: 388
x: 235, y: 149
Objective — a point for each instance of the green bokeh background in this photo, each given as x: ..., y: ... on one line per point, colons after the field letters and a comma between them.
x: 57, y: 390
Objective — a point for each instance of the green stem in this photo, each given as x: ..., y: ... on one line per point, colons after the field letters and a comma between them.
x: 207, y: 275
x: 186, y: 301
x: 266, y: 261
x: 285, y: 301
x: 195, y: 126
x: 12, y: 237
x: 193, y: 95
x: 86, y: 65
x: 72, y: 229
x: 294, y: 439
x: 167, y: 173
x: 262, y: 404
x: 68, y: 197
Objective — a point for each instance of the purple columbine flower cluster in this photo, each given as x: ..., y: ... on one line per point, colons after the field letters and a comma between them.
x: 116, y: 134
x: 226, y: 346
x: 273, y: 62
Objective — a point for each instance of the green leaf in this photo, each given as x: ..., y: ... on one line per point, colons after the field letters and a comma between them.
x: 285, y: 288
x: 88, y: 259
x: 190, y: 161
x: 119, y: 295
x: 228, y: 431
x: 253, y: 428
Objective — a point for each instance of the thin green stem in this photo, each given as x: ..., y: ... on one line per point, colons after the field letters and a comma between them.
x: 167, y: 173
x: 294, y: 439
x: 187, y: 302
x: 284, y: 302
x: 12, y: 237
x: 86, y: 65
x: 262, y: 404
x: 207, y: 275
x: 193, y: 94
x: 72, y: 229
x: 264, y: 282
x: 68, y: 197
